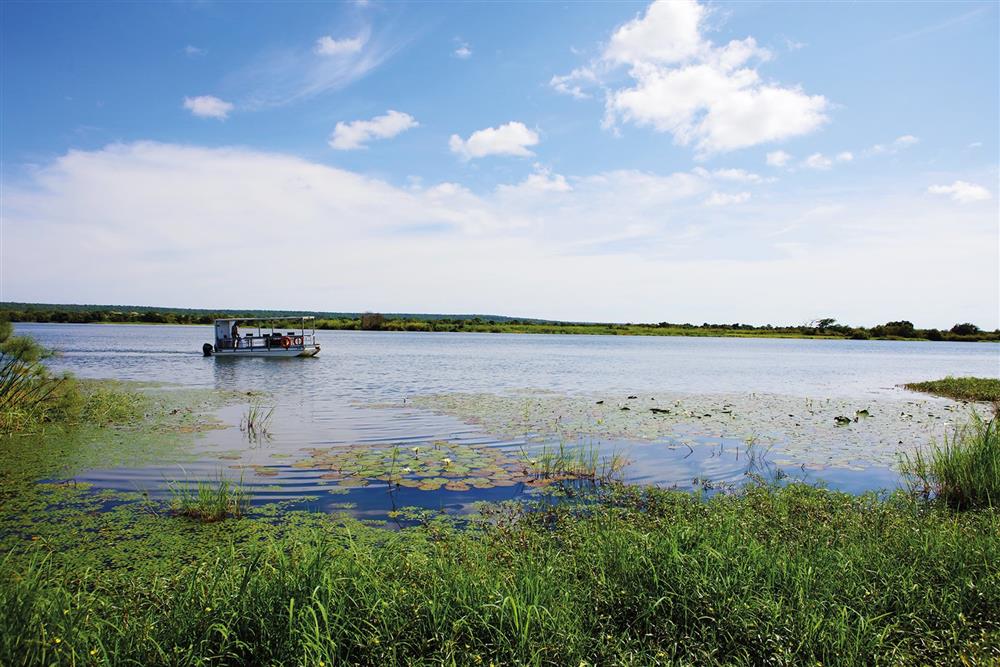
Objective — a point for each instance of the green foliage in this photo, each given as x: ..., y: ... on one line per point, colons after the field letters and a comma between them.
x: 795, y: 575
x: 962, y: 389
x: 964, y: 470
x: 210, y: 501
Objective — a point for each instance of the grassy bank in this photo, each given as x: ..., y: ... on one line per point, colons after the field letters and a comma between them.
x: 632, y: 576
x: 961, y: 389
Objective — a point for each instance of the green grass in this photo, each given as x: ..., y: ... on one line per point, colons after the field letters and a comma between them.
x: 964, y: 470
x: 786, y: 576
x: 962, y: 389
x: 210, y: 501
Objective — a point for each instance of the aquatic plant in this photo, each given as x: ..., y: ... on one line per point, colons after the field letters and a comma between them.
x: 209, y: 501
x: 256, y: 420
x: 963, y: 470
x: 581, y: 462
x: 961, y: 389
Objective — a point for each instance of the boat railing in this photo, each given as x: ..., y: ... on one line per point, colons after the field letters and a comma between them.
x: 295, y: 340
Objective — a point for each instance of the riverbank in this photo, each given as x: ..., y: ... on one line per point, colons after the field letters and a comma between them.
x: 607, y: 574
x: 821, y: 329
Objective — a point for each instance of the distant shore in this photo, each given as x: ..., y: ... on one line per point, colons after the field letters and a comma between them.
x: 827, y: 328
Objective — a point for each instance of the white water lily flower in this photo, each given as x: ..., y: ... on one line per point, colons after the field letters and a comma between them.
x: 446, y: 461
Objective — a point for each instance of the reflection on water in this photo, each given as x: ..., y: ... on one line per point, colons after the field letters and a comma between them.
x: 327, y: 401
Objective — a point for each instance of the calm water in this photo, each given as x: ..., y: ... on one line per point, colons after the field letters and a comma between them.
x: 321, y: 402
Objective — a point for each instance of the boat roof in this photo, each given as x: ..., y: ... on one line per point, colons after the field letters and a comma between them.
x: 265, y: 319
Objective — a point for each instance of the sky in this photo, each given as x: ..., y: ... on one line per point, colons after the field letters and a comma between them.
x: 589, y: 161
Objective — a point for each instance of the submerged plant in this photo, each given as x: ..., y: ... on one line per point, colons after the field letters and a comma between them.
x: 964, y: 470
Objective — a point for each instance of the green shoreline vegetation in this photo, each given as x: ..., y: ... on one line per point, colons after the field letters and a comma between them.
x: 822, y: 328
x: 583, y: 575
x: 961, y: 389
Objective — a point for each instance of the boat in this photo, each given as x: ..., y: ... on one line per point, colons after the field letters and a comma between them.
x: 277, y: 341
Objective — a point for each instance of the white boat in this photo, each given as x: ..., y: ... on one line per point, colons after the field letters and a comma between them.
x: 266, y: 338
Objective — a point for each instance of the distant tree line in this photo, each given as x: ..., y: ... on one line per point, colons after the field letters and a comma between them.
x: 369, y: 321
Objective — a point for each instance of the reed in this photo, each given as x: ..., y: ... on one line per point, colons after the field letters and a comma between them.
x: 256, y: 421
x: 581, y: 462
x: 963, y: 470
x: 209, y: 501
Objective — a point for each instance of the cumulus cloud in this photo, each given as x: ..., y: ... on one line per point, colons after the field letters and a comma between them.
x: 328, y: 46
x: 208, y: 106
x: 512, y: 138
x: 778, y: 158
x: 962, y: 192
x: 356, y: 134
x: 571, y: 244
x: 708, y: 96
x: 463, y: 51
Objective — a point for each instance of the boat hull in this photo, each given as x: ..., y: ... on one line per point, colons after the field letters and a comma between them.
x: 277, y: 353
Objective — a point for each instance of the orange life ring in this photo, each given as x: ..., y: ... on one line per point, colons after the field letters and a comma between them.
x: 286, y: 342
x: 298, y: 340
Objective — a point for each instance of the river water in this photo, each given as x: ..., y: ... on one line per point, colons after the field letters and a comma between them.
x: 383, y: 390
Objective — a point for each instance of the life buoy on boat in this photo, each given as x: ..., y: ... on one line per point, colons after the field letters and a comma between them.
x: 286, y: 342
x: 298, y: 340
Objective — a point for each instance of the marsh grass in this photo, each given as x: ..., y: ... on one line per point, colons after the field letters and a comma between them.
x: 256, y: 422
x: 963, y: 470
x: 962, y: 389
x: 209, y: 501
x: 784, y: 576
x: 581, y: 462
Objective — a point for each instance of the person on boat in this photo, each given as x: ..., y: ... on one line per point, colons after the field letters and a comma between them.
x: 236, y: 335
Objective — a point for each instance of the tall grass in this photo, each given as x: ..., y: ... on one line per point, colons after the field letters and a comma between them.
x: 961, y: 389
x: 208, y: 502
x: 964, y: 470
x: 785, y: 576
x: 581, y: 462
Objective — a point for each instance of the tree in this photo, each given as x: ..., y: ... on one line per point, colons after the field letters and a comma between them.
x: 372, y: 321
x: 965, y: 329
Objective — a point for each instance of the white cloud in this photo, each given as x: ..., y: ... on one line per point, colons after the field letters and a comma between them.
x: 463, y: 51
x: 817, y: 161
x: 962, y: 192
x: 708, y: 96
x: 512, y: 138
x: 193, y: 51
x: 285, y: 76
x: 778, y: 158
x: 572, y: 84
x: 208, y: 106
x: 844, y: 156
x: 726, y: 199
x: 898, y: 144
x: 353, y: 135
x: 669, y: 32
x: 328, y: 46
x: 571, y: 245
x: 976, y: 144
x: 739, y: 175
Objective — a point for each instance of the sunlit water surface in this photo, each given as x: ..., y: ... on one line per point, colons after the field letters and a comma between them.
x: 356, y: 392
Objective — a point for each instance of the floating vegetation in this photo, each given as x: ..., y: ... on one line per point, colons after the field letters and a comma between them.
x: 438, y: 465
x: 834, y: 432
x: 961, y: 389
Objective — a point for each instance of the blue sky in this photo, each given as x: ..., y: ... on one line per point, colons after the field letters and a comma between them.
x: 755, y: 162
